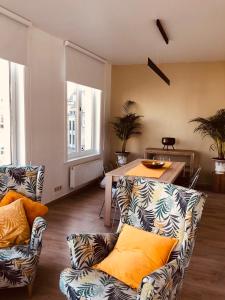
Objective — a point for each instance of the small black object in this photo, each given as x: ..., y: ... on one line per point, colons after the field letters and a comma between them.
x: 162, y: 31
x: 158, y: 71
x: 168, y: 141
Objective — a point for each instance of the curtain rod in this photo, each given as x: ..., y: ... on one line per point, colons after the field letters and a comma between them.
x: 82, y: 50
x: 15, y: 17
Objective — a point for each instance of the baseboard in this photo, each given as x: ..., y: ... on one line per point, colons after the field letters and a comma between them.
x: 93, y: 183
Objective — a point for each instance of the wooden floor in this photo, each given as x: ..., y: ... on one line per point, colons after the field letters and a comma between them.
x: 205, y: 278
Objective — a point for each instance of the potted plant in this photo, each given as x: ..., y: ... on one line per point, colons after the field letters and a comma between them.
x: 214, y: 127
x: 125, y: 127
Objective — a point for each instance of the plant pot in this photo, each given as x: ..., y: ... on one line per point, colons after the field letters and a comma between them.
x: 219, y: 166
x: 121, y: 158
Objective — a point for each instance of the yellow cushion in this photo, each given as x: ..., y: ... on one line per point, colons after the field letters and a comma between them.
x: 14, y: 228
x: 32, y: 208
x: 136, y: 254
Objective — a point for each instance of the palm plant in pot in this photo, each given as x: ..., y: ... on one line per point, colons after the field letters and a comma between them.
x: 125, y: 127
x: 214, y: 127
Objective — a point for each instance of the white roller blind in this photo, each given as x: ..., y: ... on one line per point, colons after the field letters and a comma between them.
x: 84, y: 69
x: 13, y: 40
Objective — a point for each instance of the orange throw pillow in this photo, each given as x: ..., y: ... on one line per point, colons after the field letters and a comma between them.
x: 32, y: 208
x: 136, y: 254
x: 14, y: 228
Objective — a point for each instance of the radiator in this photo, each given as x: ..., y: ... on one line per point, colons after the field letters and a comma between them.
x: 86, y: 172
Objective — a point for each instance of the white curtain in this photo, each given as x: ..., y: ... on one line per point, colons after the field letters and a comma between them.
x: 84, y: 69
x: 13, y: 40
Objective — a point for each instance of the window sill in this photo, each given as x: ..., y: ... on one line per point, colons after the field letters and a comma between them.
x: 83, y: 159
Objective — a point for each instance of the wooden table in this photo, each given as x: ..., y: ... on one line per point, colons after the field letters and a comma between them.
x: 169, y: 176
x: 188, y: 155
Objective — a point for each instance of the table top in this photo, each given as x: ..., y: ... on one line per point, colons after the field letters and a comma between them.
x: 169, y: 176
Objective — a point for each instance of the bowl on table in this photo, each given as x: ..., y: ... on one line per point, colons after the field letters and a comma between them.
x: 154, y: 164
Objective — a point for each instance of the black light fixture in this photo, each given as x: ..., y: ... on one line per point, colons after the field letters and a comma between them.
x: 162, y: 31
x: 151, y: 64
x: 158, y: 71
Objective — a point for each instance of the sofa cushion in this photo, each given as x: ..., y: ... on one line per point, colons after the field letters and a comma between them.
x: 136, y: 254
x: 14, y: 228
x: 32, y: 208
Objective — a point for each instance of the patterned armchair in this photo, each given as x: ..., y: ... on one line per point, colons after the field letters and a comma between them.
x: 18, y: 264
x: 161, y: 208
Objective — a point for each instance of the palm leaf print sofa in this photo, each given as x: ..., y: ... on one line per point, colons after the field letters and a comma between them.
x: 18, y: 264
x: 160, y: 208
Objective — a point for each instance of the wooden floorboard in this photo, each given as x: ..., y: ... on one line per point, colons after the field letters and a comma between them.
x: 205, y: 278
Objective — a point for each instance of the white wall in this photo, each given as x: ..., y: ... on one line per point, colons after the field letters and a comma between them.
x: 46, y: 111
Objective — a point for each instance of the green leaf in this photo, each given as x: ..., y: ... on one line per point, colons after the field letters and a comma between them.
x: 127, y: 125
x: 162, y: 208
x: 214, y: 127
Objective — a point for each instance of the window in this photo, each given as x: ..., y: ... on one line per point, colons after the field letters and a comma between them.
x: 11, y: 111
x: 83, y: 120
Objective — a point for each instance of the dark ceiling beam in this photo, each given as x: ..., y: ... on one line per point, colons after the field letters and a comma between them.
x: 158, y: 71
x: 162, y: 31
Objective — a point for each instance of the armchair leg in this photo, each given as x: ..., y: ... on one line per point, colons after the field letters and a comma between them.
x: 30, y: 289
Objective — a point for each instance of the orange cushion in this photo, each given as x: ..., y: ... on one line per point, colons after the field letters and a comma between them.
x: 32, y: 208
x: 136, y: 254
x: 14, y: 228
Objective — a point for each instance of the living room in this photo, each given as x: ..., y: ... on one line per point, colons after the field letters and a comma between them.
x: 94, y: 92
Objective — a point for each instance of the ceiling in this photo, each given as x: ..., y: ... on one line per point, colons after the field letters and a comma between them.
x: 124, y: 31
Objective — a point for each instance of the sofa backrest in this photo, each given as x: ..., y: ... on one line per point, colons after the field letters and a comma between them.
x: 27, y: 180
x: 164, y: 209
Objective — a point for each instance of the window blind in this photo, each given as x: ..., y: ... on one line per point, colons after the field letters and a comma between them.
x: 84, y: 69
x: 13, y: 40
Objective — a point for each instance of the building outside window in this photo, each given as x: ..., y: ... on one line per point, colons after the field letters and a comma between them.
x: 83, y: 120
x: 11, y: 110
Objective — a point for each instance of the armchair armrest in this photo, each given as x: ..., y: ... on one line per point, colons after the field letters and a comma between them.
x: 163, y: 283
x: 38, y: 227
x: 87, y: 250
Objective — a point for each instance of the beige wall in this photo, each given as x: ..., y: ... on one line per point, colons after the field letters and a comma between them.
x: 197, y: 89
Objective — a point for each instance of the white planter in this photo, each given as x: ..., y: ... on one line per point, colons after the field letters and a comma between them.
x: 121, y: 158
x: 219, y: 166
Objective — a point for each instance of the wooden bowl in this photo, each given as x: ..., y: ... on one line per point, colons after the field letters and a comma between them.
x: 153, y: 164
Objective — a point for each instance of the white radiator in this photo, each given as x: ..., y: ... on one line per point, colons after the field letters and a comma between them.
x: 86, y: 172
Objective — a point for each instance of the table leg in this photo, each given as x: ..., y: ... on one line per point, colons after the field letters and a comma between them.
x: 108, y: 201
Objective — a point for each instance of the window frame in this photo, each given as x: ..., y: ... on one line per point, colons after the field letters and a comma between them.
x: 94, y: 152
x: 14, y: 107
x: 13, y: 113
